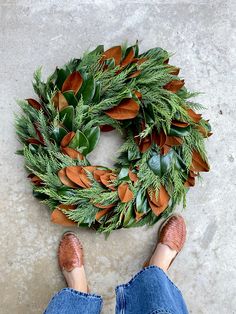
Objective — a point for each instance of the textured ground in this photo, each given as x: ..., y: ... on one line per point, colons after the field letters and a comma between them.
x: 48, y: 33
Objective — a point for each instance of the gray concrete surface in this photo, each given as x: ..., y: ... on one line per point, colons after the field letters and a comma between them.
x: 48, y: 33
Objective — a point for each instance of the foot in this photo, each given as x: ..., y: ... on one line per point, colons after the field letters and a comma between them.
x: 170, y: 243
x: 70, y: 258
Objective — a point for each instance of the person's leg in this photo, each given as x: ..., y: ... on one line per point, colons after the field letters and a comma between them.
x: 151, y: 291
x: 75, y: 299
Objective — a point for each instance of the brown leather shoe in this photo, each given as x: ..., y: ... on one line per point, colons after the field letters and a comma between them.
x: 70, y: 252
x: 173, y: 234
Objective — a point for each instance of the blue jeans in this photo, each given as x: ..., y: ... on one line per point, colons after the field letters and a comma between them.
x: 148, y: 292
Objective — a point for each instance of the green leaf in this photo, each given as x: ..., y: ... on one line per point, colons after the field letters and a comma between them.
x: 129, y: 217
x: 179, y: 163
x: 67, y: 115
x: 61, y: 77
x: 71, y: 99
x: 87, y: 90
x: 176, y: 131
x: 58, y: 133
x: 124, y: 173
x: 136, y: 50
x: 166, y: 161
x: 160, y: 164
x: 154, y: 164
x: 93, y: 136
x: 98, y: 50
x: 80, y: 142
x: 141, y: 202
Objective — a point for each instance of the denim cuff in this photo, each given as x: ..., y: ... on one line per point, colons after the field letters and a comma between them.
x: 83, y: 294
x: 155, y: 268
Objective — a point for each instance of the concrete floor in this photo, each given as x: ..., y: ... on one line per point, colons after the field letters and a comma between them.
x: 49, y: 33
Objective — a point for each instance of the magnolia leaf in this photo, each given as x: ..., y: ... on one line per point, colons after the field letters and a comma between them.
x: 33, y: 103
x: 173, y: 70
x: 123, y: 174
x: 129, y: 218
x: 58, y: 217
x: 58, y: 133
x: 179, y: 131
x: 136, y: 49
x: 160, y: 164
x: 77, y: 175
x: 194, y: 116
x: 113, y: 53
x: 88, y: 90
x: 190, y: 181
x: 67, y: 138
x: 128, y: 108
x: 67, y: 116
x: 166, y: 161
x: 107, y: 179
x: 129, y: 55
x: 59, y: 101
x: 174, y: 85
x: 65, y: 180
x: 98, y: 50
x: 133, y: 176
x: 124, y: 192
x: 93, y: 136
x: 145, y: 144
x: 198, y: 164
x: 72, y: 153
x: 102, y: 212
x: 61, y: 77
x: 34, y: 141
x: 71, y: 99
x: 174, y: 141
x: 154, y: 164
x: 98, y: 173
x: 179, y: 124
x: 141, y: 202
x: 158, y: 205
x: 73, y: 82
x: 160, y: 139
x: 80, y: 142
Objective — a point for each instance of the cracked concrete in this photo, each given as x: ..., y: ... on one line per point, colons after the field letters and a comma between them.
x: 48, y: 33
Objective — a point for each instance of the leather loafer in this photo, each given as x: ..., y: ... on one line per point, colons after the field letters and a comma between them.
x: 173, y: 234
x: 70, y: 252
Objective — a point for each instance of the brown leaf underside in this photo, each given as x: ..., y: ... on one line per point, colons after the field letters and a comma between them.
x: 73, y: 82
x: 125, y: 194
x: 127, y: 109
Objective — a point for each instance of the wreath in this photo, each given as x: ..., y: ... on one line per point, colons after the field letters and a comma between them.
x: 142, y: 97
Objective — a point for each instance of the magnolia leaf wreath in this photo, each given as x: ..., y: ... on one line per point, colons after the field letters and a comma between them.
x: 142, y: 97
